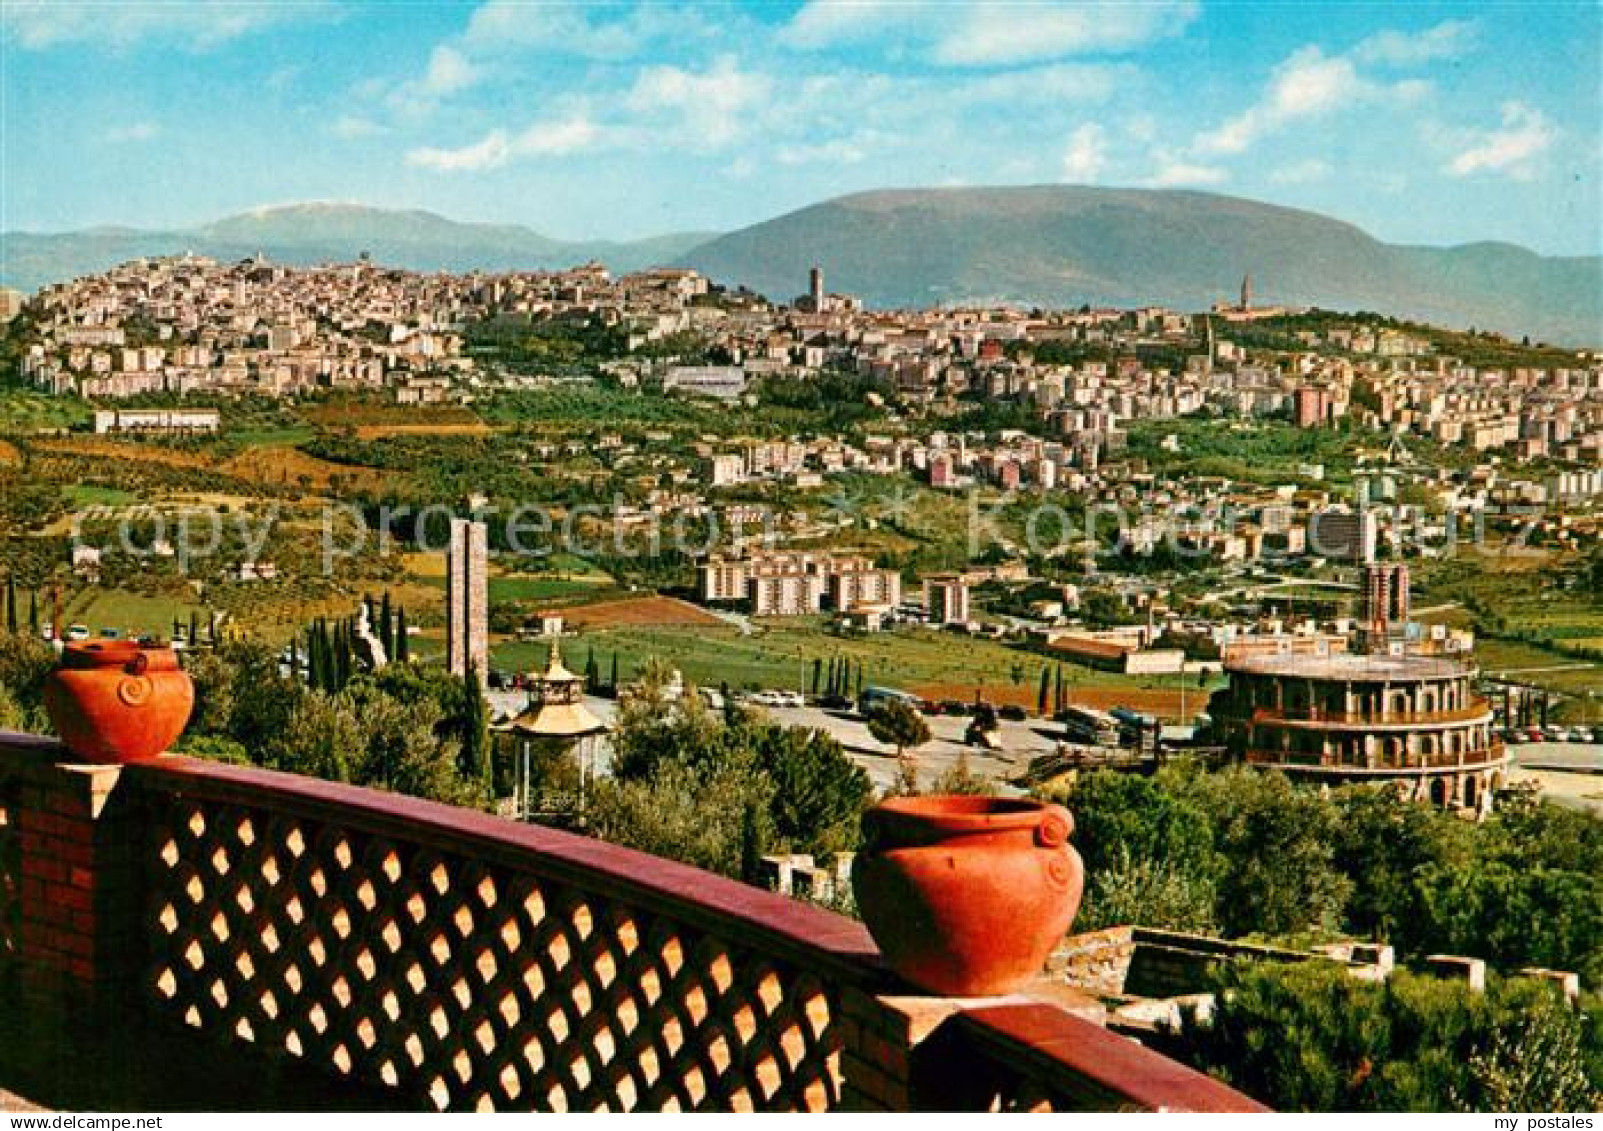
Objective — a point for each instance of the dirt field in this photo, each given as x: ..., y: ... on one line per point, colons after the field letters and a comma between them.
x: 137, y: 453
x: 638, y: 611
x: 270, y: 466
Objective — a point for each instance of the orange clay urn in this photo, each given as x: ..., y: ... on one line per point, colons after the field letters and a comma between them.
x: 117, y: 701
x: 967, y: 896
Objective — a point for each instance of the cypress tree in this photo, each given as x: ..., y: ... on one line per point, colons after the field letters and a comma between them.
x: 1058, y: 701
x: 592, y: 672
x: 11, y: 604
x: 1046, y: 688
x: 194, y: 629
x: 33, y: 612
x: 859, y: 678
x: 386, y: 626
x: 476, y: 763
x: 403, y: 646
x: 613, y: 681
x: 818, y: 671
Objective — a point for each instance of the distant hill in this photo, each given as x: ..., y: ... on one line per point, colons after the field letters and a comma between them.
x: 1064, y: 246
x: 314, y: 233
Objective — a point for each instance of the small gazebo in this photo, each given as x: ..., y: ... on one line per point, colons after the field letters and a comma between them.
x: 556, y: 717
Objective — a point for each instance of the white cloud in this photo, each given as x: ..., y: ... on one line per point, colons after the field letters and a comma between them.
x: 1086, y: 155
x: 449, y: 71
x: 354, y: 126
x: 1524, y: 135
x: 133, y: 131
x: 988, y: 32
x: 1307, y: 84
x: 713, y: 107
x: 1448, y: 40
x: 557, y: 138
x: 1176, y: 173
x: 492, y: 151
x: 590, y: 31
x: 197, y: 24
x: 836, y: 151
x: 1301, y: 172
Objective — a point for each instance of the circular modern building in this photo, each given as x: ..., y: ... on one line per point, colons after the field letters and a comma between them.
x: 1347, y: 717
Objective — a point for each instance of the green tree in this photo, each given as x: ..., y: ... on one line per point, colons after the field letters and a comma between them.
x: 477, y: 763
x: 1044, y: 692
x: 895, y: 723
x: 403, y: 642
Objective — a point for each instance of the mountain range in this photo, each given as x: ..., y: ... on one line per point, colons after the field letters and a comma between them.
x: 1049, y: 245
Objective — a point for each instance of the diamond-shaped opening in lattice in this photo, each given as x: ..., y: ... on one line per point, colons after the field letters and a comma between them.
x: 245, y: 831
x: 243, y: 1031
x: 219, y: 860
x: 671, y: 1035
x: 508, y: 1008
x: 534, y: 981
x: 192, y: 1017
x: 534, y: 906
x: 439, y: 1023
x: 388, y: 1073
x: 626, y: 1094
x: 462, y: 992
x: 583, y: 1000
x: 169, y: 853
x: 626, y: 1013
x: 167, y: 918
x: 462, y: 1065
x: 295, y: 910
x: 770, y: 991
x: 269, y: 870
x: 339, y: 918
x: 438, y: 877
x: 196, y: 823
x: 389, y: 865
x: 316, y: 950
x: 719, y: 1053
x: 365, y: 964
x: 510, y: 1084
x: 166, y: 984
x: 268, y: 1004
x: 816, y: 1009
x: 294, y: 1044
x: 744, y: 1020
x: 462, y: 920
x: 413, y: 1047
x: 511, y: 937
x: 439, y: 1093
x: 366, y: 1033
x: 439, y: 948
x: 767, y: 1075
x: 604, y: 1044
x: 340, y: 987
x: 556, y: 1024
x: 367, y: 895
x: 583, y: 920
x: 194, y: 956
x: 694, y: 1003
x: 484, y: 1036
x: 342, y: 1059
x: 244, y: 964
x: 486, y: 891
x: 793, y: 1044
x: 317, y: 879
x: 317, y: 1017
x: 579, y: 1070
x: 342, y: 852
x: 694, y: 1084
x: 722, y: 972
x: 293, y: 978
x: 195, y: 890
x: 218, y: 925
x: 295, y: 841
x: 269, y: 937
x: 244, y: 898
x: 486, y: 965
x: 649, y: 984
x: 560, y: 951
x: 671, y: 953
x: 389, y: 933
x: 415, y: 978
x: 603, y: 966
x: 390, y: 1005
x: 416, y: 907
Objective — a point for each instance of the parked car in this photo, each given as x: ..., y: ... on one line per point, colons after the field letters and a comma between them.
x: 77, y: 632
x: 1013, y: 713
x: 835, y: 702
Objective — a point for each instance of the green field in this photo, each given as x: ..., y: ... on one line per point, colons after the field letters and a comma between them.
x: 126, y: 612
x: 88, y: 495
x: 780, y: 654
x: 22, y: 412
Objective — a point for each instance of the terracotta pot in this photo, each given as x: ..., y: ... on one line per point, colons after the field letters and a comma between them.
x: 967, y: 896
x: 114, y: 701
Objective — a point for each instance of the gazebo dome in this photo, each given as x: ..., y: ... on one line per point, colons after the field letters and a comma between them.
x: 557, y: 707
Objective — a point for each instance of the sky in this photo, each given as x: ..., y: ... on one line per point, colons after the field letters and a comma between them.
x: 1421, y: 123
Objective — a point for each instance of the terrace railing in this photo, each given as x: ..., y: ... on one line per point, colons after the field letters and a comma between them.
x: 445, y: 959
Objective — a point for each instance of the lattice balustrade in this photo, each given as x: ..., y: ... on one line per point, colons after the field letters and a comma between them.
x: 10, y: 881
x: 468, y: 982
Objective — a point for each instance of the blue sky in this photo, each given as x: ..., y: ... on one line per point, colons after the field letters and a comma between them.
x: 1422, y: 123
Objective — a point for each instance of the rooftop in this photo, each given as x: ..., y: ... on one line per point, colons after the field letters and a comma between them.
x: 1352, y: 666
